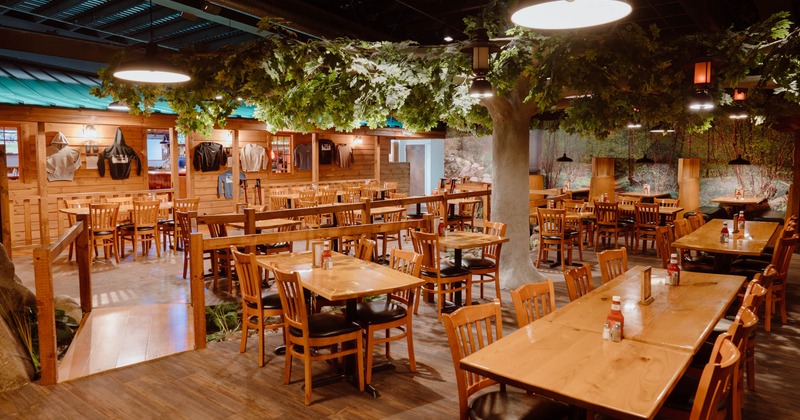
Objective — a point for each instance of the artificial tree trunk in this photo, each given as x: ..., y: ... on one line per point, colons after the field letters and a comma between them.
x: 511, y: 118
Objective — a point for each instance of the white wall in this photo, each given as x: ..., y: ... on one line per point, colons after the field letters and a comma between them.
x: 434, y: 160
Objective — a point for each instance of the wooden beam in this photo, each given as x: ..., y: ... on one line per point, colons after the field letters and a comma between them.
x: 314, y: 157
x: 5, y: 204
x: 56, y: 45
x: 41, y: 184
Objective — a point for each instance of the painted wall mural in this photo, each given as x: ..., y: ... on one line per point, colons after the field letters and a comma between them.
x: 769, y: 151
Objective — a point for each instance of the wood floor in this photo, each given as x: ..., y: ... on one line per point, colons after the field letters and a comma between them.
x: 119, y: 336
x: 218, y: 382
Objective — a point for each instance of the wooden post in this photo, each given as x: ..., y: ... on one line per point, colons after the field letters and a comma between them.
x: 603, y: 181
x: 5, y: 207
x: 84, y: 259
x: 314, y: 158
x: 197, y: 287
x: 41, y: 182
x: 48, y: 354
x: 377, y: 171
x: 689, y: 183
x: 366, y: 213
x: 236, y: 167
x: 173, y: 165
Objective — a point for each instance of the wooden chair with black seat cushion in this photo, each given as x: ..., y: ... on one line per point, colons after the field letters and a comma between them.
x: 696, y: 220
x: 185, y: 229
x: 347, y: 218
x: 664, y: 241
x: 533, y: 301
x: 72, y: 219
x: 442, y: 280
x: 311, y: 221
x: 581, y: 225
x: 363, y: 251
x: 278, y: 202
x: 257, y: 306
x: 487, y: 266
x: 386, y: 237
x: 781, y: 260
x: 143, y: 228
x: 668, y: 202
x: 470, y: 329
x: 437, y: 209
x: 612, y: 262
x: 222, y: 258
x: 579, y: 281
x: 608, y: 224
x: 394, y: 313
x: 555, y: 236
x: 628, y: 216
x: 168, y: 227
x: 103, y: 228
x: 326, y: 197
x: 647, y: 218
x: 705, y: 398
x: 466, y: 215
x: 316, y: 330
x: 690, y: 260
x: 278, y: 247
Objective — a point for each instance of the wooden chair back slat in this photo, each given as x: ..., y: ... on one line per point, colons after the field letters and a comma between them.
x: 579, y: 281
x: 613, y: 262
x: 533, y: 301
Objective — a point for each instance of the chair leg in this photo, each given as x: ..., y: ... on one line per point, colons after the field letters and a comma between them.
x: 260, y: 330
x: 307, y: 373
x: 412, y: 362
x: 287, y: 364
x: 368, y: 355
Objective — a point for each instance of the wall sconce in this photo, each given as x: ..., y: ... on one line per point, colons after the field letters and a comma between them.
x: 481, y: 50
x: 357, y: 140
x: 89, y: 131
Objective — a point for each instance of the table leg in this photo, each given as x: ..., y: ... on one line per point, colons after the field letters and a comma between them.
x: 457, y: 262
x: 722, y: 263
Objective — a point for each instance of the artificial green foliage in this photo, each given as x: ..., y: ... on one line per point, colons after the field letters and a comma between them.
x: 343, y: 84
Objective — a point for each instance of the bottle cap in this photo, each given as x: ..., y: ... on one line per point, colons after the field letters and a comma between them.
x: 615, y: 298
x: 673, y: 255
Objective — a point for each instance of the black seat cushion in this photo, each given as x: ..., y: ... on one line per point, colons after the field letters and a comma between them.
x: 475, y: 263
x: 749, y: 264
x: 452, y: 271
x: 169, y: 222
x: 276, y: 245
x: 379, y: 312
x: 326, y: 325
x: 269, y: 300
x: 103, y: 232
x: 515, y: 405
x: 130, y: 227
x: 682, y: 396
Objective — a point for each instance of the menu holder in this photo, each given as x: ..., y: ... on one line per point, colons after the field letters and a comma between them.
x: 647, y: 286
x: 646, y: 189
x: 316, y: 251
x: 739, y: 194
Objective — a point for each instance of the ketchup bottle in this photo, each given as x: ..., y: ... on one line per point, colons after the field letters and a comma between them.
x: 615, y: 316
x: 673, y: 271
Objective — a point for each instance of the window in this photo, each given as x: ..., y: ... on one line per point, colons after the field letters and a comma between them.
x: 281, y: 153
x: 9, y: 136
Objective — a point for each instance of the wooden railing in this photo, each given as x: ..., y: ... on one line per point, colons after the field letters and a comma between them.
x: 77, y: 234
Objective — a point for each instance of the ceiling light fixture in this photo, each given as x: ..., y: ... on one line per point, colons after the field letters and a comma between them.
x: 661, y: 128
x: 481, y: 49
x: 739, y: 161
x: 645, y: 160
x: 448, y: 38
x: 564, y: 158
x: 569, y: 14
x: 118, y: 106
x: 150, y: 68
x: 634, y: 125
x: 481, y: 88
x: 701, y: 101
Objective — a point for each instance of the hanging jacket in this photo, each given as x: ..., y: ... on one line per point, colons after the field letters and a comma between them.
x: 225, y: 184
x: 209, y: 156
x: 62, y: 160
x: 253, y: 158
x: 120, y: 157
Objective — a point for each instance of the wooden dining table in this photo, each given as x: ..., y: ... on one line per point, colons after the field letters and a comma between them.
x: 267, y: 224
x: 125, y: 208
x: 350, y: 279
x: 738, y: 204
x: 751, y: 242
x: 563, y: 355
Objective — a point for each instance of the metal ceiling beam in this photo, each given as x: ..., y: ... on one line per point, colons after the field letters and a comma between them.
x: 305, y: 18
x: 55, y: 45
x: 239, y: 23
x: 57, y: 9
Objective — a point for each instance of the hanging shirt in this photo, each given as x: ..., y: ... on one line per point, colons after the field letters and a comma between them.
x: 209, y: 156
x: 120, y: 157
x: 344, y: 155
x: 325, y: 151
x: 62, y: 160
x: 302, y: 156
x: 225, y: 184
x: 253, y: 158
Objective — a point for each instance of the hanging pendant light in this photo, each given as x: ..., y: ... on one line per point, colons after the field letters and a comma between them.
x: 701, y: 101
x: 481, y: 49
x: 646, y: 160
x: 569, y: 14
x: 661, y: 128
x: 739, y: 161
x: 564, y: 158
x: 150, y: 68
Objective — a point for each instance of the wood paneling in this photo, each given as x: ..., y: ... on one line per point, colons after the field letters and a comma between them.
x: 689, y: 183
x: 603, y: 181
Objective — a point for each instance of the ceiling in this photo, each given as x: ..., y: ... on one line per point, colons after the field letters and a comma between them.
x: 82, y: 35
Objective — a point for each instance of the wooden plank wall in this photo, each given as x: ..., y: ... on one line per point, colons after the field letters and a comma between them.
x: 364, y: 160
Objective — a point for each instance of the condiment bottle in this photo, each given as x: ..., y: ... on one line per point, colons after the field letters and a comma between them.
x: 740, y: 222
x: 615, y: 317
x: 674, y: 271
x: 724, y: 234
x: 442, y: 229
x: 327, y: 258
x: 550, y: 204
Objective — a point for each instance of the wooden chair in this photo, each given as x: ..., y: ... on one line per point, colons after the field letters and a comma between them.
x: 437, y: 209
x: 386, y: 237
x: 466, y: 216
x: 579, y: 281
x: 487, y: 266
x: 668, y: 202
x: 664, y: 241
x: 533, y: 301
x: 256, y: 306
x: 72, y: 219
x: 185, y: 229
x: 168, y: 227
x: 221, y: 257
x: 468, y: 330
x: 278, y: 203
x: 344, y: 219
x: 714, y: 386
x: 647, y: 218
x: 364, y: 249
x: 628, y: 217
x: 554, y: 235
x: 316, y: 330
x: 127, y: 201
x: 613, y: 262
x: 696, y: 220
x: 689, y: 260
x: 103, y: 228
x: 608, y: 224
x: 326, y: 197
x: 144, y: 228
x: 311, y: 221
x: 392, y: 313
x: 442, y: 280
x: 582, y: 225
